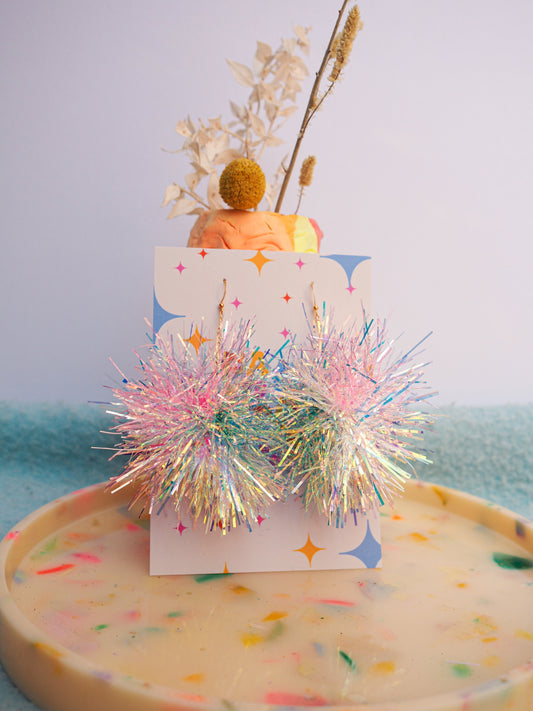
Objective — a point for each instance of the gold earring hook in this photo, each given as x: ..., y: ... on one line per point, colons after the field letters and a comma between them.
x: 220, y: 318
x: 317, y: 323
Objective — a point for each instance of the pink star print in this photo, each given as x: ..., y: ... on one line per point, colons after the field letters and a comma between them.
x: 236, y: 303
x: 180, y: 268
x: 180, y: 528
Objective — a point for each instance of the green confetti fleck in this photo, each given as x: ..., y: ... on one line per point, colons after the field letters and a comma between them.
x: 512, y: 562
x: 349, y: 661
x: 277, y: 630
x: 100, y: 627
x: 461, y: 670
x: 175, y: 613
x: 210, y: 576
x: 46, y: 550
x: 153, y: 629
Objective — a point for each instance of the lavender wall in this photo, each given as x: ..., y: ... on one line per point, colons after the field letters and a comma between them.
x: 425, y: 161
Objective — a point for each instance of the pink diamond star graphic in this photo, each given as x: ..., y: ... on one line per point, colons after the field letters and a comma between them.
x: 260, y: 520
x: 285, y: 333
x: 180, y: 268
x: 350, y: 288
x: 300, y: 264
x: 180, y: 528
x: 236, y: 303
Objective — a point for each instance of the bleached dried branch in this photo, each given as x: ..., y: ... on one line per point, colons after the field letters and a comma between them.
x: 274, y: 79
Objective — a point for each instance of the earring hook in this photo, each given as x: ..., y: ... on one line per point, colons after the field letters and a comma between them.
x: 220, y: 318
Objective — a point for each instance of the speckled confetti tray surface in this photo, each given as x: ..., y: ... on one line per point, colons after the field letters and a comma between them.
x: 84, y: 626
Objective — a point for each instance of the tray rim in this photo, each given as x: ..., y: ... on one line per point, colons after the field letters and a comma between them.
x: 17, y: 631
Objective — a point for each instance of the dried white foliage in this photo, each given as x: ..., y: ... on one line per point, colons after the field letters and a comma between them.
x: 274, y: 79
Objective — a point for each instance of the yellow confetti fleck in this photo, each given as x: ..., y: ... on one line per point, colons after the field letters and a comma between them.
x: 195, y: 678
x: 442, y: 496
x: 484, y: 624
x: 490, y: 639
x: 250, y: 639
x: 52, y: 651
x: 306, y: 669
x: 417, y: 537
x: 522, y: 634
x: 491, y: 661
x: 275, y: 615
x: 387, y: 667
x: 240, y: 590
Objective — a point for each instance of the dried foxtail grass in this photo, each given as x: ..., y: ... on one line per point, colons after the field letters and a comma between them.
x: 343, y: 47
x: 306, y: 176
x: 337, y: 51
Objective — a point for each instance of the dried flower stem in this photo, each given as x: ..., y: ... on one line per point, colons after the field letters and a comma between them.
x: 306, y: 177
x: 344, y: 46
x: 312, y: 106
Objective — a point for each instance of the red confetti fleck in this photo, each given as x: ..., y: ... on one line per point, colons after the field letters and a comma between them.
x: 281, y: 698
x: 78, y: 536
x: 89, y: 557
x: 132, y: 527
x: 57, y: 569
x: 328, y: 601
x: 12, y: 535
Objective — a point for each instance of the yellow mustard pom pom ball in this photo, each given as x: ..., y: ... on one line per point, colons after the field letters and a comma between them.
x: 242, y: 184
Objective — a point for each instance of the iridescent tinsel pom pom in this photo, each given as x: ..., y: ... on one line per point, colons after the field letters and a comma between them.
x: 197, y: 429
x: 349, y: 412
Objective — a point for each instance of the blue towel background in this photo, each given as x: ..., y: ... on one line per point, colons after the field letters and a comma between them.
x: 46, y: 452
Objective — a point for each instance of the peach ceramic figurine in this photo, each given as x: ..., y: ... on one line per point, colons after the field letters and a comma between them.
x: 242, y: 185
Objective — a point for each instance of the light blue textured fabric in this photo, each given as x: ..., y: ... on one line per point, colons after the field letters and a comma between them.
x: 46, y: 453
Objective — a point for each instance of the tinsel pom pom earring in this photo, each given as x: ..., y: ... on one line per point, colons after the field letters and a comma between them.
x: 198, y: 429
x: 350, y: 417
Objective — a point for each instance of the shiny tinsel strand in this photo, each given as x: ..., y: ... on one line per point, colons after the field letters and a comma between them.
x: 350, y: 413
x: 197, y: 430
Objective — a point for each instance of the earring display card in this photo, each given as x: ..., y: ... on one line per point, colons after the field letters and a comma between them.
x: 271, y: 288
x: 287, y: 538
x: 275, y: 290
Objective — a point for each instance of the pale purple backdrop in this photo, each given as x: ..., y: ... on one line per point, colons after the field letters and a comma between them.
x: 424, y: 161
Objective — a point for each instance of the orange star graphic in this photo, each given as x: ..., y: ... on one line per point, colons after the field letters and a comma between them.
x: 309, y: 549
x: 259, y: 260
x: 196, y: 340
